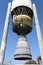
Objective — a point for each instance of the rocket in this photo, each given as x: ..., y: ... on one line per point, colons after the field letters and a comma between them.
x: 22, y: 13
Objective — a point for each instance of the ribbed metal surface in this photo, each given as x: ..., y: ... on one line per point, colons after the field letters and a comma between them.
x: 22, y: 10
x: 22, y: 50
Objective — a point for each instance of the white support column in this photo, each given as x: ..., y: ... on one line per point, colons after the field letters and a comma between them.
x: 5, y: 32
x: 40, y: 41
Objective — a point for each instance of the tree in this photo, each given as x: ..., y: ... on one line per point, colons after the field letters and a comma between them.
x: 39, y: 59
x: 31, y: 62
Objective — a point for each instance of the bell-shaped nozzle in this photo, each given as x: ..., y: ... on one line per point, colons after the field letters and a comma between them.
x: 22, y: 50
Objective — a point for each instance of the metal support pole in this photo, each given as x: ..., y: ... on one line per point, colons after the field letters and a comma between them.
x: 40, y: 41
x: 5, y: 32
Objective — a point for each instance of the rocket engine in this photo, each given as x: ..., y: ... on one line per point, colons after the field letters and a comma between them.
x: 22, y: 25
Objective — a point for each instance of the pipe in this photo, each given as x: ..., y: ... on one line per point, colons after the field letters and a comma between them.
x: 40, y: 41
x: 5, y: 32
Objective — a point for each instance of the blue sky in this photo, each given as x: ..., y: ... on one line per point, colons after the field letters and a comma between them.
x: 12, y: 37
